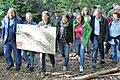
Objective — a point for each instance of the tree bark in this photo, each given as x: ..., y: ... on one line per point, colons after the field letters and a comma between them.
x: 1, y: 48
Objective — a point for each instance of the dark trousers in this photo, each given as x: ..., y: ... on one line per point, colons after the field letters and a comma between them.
x: 108, y: 45
x: 97, y: 45
x: 43, y: 64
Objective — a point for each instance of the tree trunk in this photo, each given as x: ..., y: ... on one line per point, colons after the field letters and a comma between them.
x: 97, y: 74
x: 1, y: 48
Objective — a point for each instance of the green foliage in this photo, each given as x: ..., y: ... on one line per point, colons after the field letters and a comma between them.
x: 37, y: 6
x: 65, y: 5
x: 105, y: 4
x: 21, y: 7
x: 5, y: 5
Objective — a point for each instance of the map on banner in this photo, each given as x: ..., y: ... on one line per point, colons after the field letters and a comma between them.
x: 33, y: 38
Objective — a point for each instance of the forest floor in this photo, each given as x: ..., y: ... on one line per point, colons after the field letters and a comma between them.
x: 58, y: 74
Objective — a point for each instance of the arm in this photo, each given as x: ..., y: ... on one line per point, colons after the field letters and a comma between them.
x: 107, y: 31
x: 70, y: 33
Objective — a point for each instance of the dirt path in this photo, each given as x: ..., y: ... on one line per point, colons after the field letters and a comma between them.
x: 57, y: 74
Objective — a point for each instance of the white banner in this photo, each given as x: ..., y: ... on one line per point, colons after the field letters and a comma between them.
x: 38, y: 39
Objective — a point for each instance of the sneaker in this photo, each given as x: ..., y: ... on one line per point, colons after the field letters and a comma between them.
x: 81, y: 69
x: 42, y: 75
x: 64, y: 68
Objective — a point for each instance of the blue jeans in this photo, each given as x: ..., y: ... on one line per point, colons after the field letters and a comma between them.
x: 24, y: 55
x: 30, y: 57
x: 96, y: 45
x: 64, y: 49
x: 43, y: 63
x: 8, y: 46
x: 115, y: 52
x: 79, y: 49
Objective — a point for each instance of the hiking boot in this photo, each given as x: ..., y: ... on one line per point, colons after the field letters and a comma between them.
x: 9, y: 66
x: 102, y: 62
x: 18, y: 68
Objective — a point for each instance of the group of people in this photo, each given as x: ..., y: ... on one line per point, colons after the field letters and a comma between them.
x: 70, y: 29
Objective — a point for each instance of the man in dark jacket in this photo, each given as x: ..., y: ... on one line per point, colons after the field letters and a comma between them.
x: 9, y: 24
x: 99, y: 30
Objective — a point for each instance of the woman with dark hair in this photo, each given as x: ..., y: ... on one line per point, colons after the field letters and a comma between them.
x: 114, y: 36
x: 76, y: 12
x: 78, y: 33
x: 9, y: 24
x: 44, y: 23
x: 65, y: 39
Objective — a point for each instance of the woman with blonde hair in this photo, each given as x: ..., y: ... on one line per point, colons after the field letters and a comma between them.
x: 85, y: 14
x: 87, y: 18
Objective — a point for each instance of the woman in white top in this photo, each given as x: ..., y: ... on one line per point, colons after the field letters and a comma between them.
x: 114, y: 32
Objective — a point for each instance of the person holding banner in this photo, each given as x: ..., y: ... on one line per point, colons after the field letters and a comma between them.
x: 30, y: 65
x: 9, y: 24
x: 45, y: 23
x: 78, y: 34
x: 99, y: 28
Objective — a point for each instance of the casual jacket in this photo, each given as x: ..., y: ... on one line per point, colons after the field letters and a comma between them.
x: 68, y: 37
x: 32, y: 23
x: 103, y: 29
x: 115, y: 33
x: 5, y: 28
